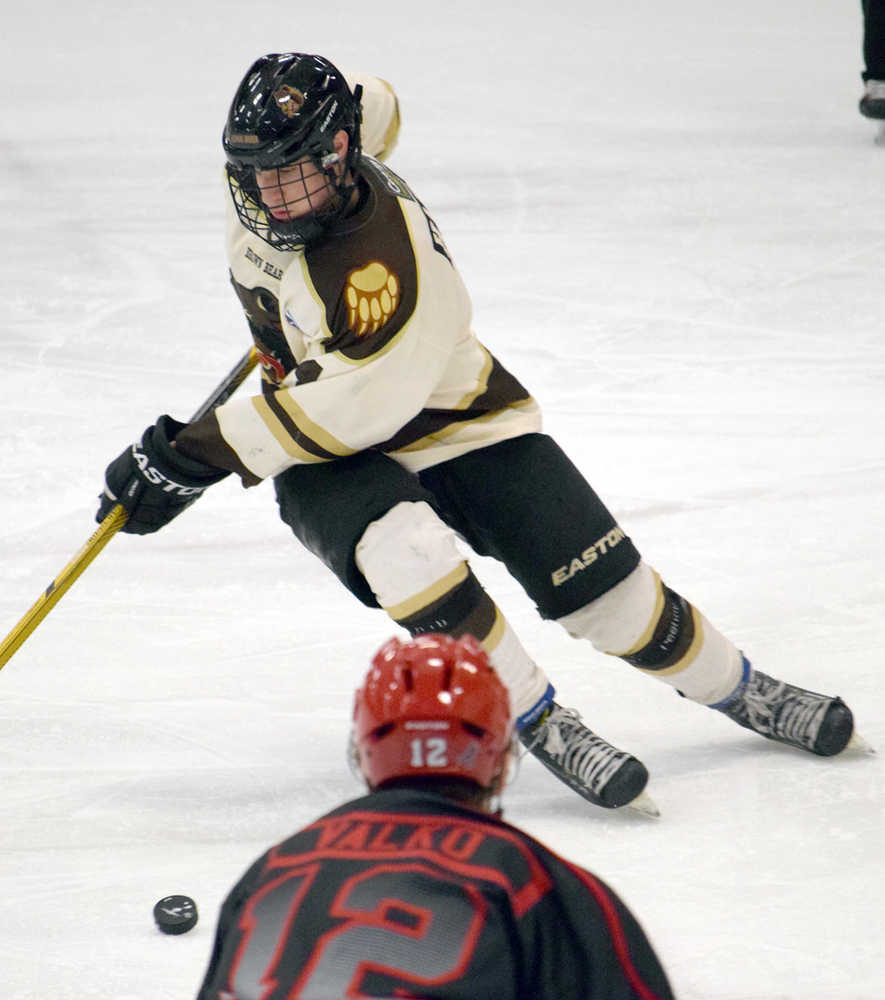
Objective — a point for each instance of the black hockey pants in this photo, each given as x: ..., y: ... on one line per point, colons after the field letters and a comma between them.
x: 521, y: 501
x: 874, y: 39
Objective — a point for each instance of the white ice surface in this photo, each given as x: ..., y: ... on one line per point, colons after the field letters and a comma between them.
x: 670, y: 216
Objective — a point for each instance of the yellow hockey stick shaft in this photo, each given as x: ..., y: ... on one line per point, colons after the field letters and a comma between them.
x: 109, y: 526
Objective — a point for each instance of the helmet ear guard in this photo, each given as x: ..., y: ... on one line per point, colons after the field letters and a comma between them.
x: 432, y: 706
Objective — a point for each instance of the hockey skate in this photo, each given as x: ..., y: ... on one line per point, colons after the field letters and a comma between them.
x: 787, y: 714
x: 872, y: 105
x: 596, y: 770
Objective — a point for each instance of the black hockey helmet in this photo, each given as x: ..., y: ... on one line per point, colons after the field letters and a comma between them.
x: 289, y: 107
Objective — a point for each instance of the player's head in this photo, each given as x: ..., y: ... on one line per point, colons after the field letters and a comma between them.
x: 292, y: 141
x: 432, y: 707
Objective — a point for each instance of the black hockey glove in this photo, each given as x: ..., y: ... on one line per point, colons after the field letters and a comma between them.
x: 153, y: 481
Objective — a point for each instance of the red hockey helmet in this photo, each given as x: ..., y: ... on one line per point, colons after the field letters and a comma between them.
x: 431, y: 706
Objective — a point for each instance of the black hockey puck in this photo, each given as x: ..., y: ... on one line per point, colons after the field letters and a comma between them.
x: 175, y: 914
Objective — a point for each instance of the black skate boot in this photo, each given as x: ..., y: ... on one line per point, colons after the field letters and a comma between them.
x: 789, y: 714
x: 872, y: 104
x: 596, y: 770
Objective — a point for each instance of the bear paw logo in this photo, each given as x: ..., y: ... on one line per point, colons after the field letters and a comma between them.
x: 372, y: 294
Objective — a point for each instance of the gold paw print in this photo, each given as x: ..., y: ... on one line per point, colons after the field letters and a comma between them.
x: 372, y: 294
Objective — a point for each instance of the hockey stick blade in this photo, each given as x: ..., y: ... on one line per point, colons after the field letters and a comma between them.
x: 110, y: 525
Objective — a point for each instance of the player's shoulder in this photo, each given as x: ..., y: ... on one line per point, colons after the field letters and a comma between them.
x: 385, y: 181
x: 381, y: 113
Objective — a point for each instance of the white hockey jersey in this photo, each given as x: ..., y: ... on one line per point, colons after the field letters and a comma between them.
x: 365, y: 338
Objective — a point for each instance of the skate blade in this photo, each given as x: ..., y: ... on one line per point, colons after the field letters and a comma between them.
x: 644, y: 804
x: 880, y: 135
x: 858, y: 744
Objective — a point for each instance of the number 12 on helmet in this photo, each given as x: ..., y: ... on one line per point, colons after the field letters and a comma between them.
x: 432, y: 706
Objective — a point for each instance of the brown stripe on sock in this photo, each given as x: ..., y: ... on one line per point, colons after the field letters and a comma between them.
x: 673, y: 636
x: 465, y: 609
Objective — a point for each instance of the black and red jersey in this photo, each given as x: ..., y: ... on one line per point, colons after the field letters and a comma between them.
x: 408, y: 894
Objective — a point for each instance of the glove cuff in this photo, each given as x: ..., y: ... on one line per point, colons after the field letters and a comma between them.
x: 190, y: 471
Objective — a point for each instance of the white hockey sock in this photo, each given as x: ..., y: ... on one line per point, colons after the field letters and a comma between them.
x: 530, y: 688
x: 653, y: 628
x: 411, y: 560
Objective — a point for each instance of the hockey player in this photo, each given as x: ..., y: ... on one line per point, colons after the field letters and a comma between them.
x: 418, y: 888
x: 872, y: 104
x: 387, y: 428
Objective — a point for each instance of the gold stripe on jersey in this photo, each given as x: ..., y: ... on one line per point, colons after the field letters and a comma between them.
x: 379, y: 352
x: 482, y: 380
x: 286, y: 436
x: 451, y: 423
x: 418, y: 602
x: 310, y: 429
